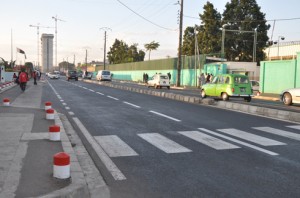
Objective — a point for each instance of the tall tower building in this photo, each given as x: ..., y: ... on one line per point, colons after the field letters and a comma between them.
x: 47, y: 52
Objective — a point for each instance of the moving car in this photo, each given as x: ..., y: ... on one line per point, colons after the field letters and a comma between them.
x: 103, y: 75
x: 228, y: 85
x: 72, y: 74
x: 159, y: 81
x: 290, y: 96
x: 53, y: 76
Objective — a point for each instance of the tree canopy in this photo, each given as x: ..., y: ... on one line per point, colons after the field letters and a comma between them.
x: 120, y: 52
x: 239, y: 16
x: 151, y: 46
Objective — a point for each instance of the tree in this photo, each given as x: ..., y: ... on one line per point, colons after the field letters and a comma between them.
x: 121, y: 53
x: 151, y: 46
x: 208, y: 33
x: 244, y: 15
x: 188, y: 44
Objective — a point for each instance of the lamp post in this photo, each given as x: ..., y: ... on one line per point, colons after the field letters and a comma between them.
x: 282, y: 38
x: 105, y: 29
x: 241, y: 31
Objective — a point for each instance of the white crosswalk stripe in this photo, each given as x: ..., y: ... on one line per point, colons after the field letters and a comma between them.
x: 251, y: 137
x: 114, y: 146
x: 163, y: 143
x: 279, y: 132
x: 208, y: 140
x: 295, y: 127
x: 239, y: 142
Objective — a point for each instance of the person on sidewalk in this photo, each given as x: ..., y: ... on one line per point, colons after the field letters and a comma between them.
x: 34, y: 75
x: 23, y: 78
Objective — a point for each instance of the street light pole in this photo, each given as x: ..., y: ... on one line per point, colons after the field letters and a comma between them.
x: 104, y: 56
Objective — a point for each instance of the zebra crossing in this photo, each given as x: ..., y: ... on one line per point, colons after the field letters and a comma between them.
x: 220, y: 139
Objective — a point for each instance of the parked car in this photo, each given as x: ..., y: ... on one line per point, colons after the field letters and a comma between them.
x: 228, y: 85
x: 87, y: 75
x: 159, y: 81
x: 290, y: 96
x: 103, y: 75
x: 255, y: 85
x: 53, y: 76
x: 72, y: 74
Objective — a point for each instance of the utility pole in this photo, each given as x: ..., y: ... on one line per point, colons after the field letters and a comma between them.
x: 56, y: 19
x: 180, y: 45
x: 104, y: 56
x: 38, y: 26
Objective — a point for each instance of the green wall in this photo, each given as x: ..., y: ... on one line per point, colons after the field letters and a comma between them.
x: 134, y: 71
x: 275, y: 76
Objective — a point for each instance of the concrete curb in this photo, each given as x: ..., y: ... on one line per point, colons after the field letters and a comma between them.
x: 250, y: 109
x: 6, y: 86
x: 78, y: 187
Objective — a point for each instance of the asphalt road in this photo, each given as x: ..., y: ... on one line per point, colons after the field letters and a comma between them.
x: 156, y: 147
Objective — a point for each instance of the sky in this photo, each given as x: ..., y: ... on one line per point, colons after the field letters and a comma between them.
x: 132, y: 21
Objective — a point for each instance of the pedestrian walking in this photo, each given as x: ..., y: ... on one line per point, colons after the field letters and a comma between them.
x: 14, y: 78
x: 23, y: 78
x: 169, y: 75
x: 34, y: 75
x: 146, y: 78
x: 202, y: 79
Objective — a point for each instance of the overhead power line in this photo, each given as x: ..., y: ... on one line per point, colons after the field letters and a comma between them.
x: 144, y: 17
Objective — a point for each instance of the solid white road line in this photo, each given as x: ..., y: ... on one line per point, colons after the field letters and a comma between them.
x: 114, y: 146
x: 239, y: 142
x: 109, y: 164
x: 100, y: 93
x: 295, y: 127
x: 132, y: 104
x: 163, y: 143
x: 112, y: 97
x: 208, y: 140
x: 251, y: 137
x: 279, y: 132
x: 71, y: 113
x: 163, y: 115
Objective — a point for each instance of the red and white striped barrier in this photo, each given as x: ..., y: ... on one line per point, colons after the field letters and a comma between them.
x: 6, y: 102
x: 54, y: 133
x: 48, y: 105
x: 50, y: 114
x: 61, y: 165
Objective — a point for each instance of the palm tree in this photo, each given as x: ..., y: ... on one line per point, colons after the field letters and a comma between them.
x: 151, y: 46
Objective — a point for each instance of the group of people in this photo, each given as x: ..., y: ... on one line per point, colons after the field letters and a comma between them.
x: 145, y: 78
x: 23, y: 77
x: 205, y: 78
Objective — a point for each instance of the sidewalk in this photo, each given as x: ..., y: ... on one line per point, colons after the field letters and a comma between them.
x: 26, y: 153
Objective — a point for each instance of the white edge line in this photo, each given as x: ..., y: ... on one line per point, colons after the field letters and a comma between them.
x: 109, y: 164
x: 132, y: 104
x: 163, y: 115
x: 112, y: 97
x: 239, y: 142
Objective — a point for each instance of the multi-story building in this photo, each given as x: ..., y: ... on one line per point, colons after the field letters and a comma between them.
x: 47, y: 52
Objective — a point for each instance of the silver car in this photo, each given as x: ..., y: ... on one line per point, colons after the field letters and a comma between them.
x: 290, y: 96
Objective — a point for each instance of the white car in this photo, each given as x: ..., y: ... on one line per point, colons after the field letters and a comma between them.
x: 53, y: 76
x: 255, y: 85
x: 103, y: 75
x: 159, y: 81
x: 290, y: 96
